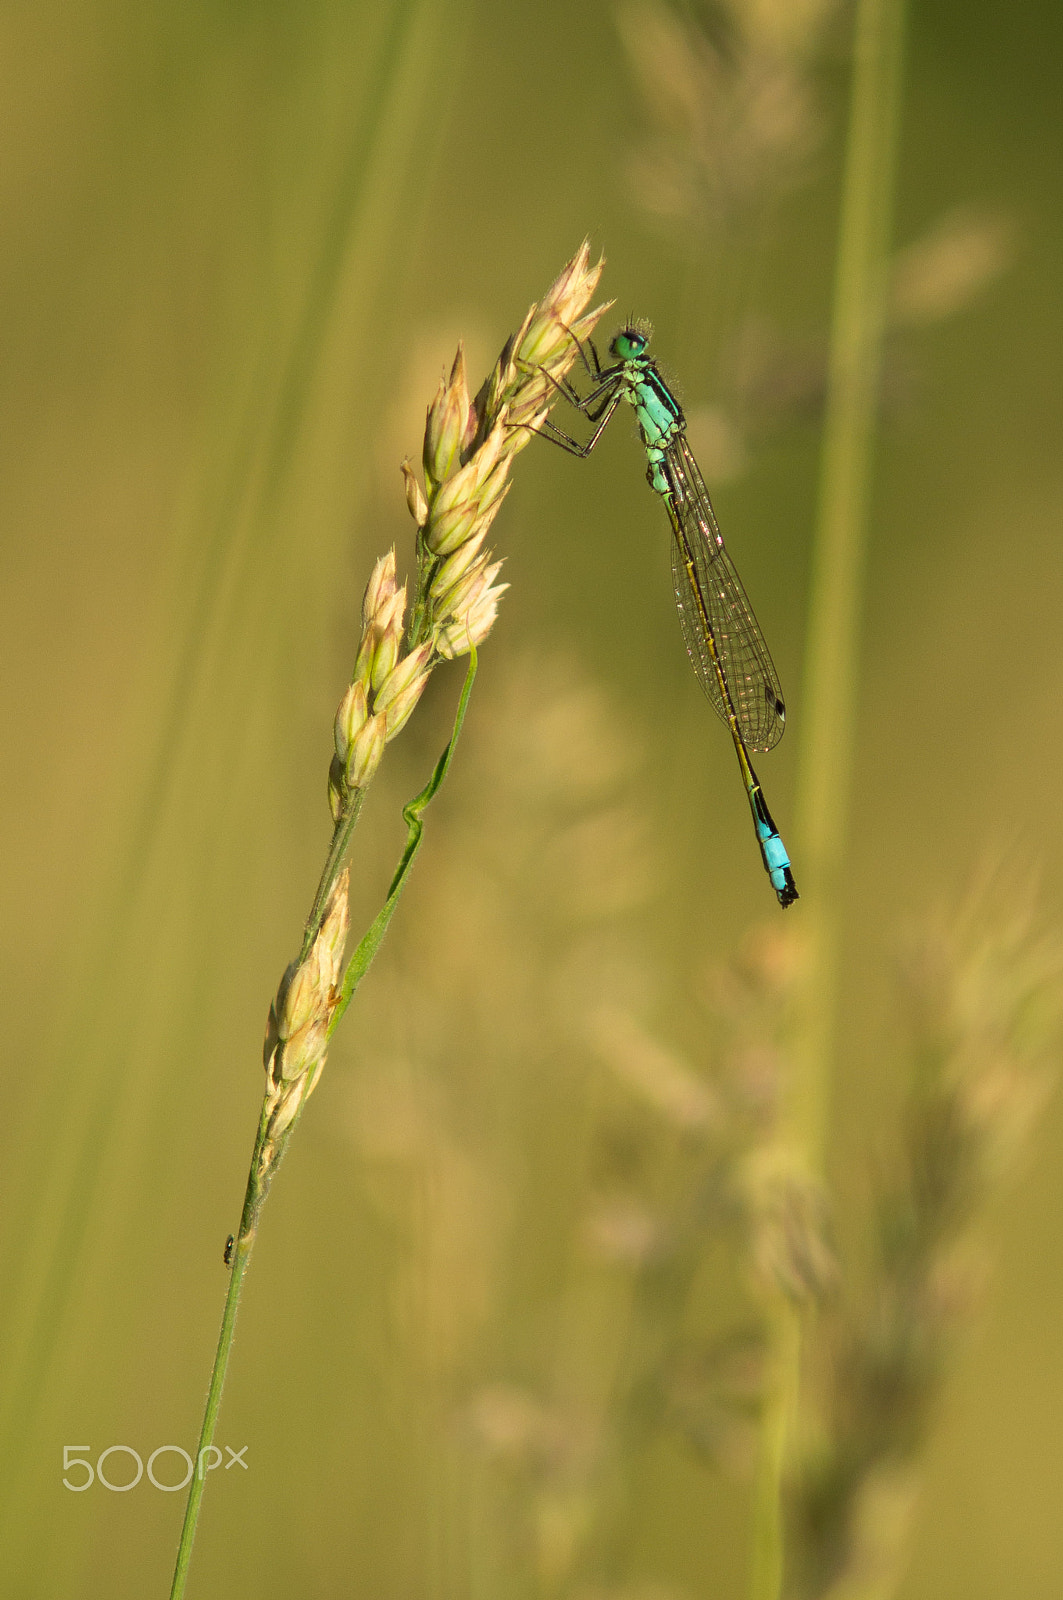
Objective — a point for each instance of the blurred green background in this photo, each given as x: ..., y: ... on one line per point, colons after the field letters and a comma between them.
x: 240, y: 243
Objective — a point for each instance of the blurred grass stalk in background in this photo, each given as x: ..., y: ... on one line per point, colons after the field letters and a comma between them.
x: 835, y: 1475
x: 233, y: 526
x: 832, y: 657
x: 979, y: 998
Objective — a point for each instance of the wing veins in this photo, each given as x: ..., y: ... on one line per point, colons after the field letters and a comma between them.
x: 748, y: 670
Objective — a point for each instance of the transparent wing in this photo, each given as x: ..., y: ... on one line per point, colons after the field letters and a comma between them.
x: 710, y: 598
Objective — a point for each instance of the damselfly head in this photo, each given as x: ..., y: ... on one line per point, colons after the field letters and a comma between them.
x: 631, y: 341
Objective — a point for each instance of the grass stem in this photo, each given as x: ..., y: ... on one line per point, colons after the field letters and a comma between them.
x: 829, y: 701
x: 832, y: 660
x: 253, y: 1197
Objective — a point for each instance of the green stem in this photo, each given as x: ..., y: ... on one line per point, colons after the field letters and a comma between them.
x: 253, y: 1198
x: 257, y: 1181
x: 341, y: 838
x: 832, y: 664
x: 371, y: 941
x: 829, y: 701
x: 419, y: 612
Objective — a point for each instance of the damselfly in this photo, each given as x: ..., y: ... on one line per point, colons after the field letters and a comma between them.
x: 723, y: 638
